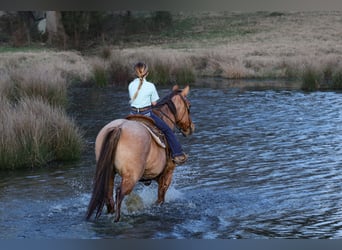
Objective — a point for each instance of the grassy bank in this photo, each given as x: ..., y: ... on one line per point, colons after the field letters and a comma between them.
x: 299, y: 46
x: 33, y: 133
x: 34, y: 128
x: 231, y: 45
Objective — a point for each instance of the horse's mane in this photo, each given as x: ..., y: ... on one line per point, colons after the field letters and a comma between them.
x: 166, y: 100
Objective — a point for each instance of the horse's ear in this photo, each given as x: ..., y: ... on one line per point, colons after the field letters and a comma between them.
x: 176, y: 87
x: 186, y: 90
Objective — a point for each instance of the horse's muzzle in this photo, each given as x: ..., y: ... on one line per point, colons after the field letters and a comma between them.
x: 189, y: 131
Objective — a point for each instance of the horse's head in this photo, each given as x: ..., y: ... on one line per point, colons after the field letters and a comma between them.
x: 182, y: 115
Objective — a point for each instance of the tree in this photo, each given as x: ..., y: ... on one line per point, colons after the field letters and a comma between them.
x: 83, y: 26
x: 55, y: 29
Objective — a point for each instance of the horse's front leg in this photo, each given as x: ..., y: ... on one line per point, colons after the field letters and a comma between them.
x: 164, y: 182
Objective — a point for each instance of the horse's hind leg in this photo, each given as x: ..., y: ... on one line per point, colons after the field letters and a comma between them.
x: 110, y: 198
x: 125, y: 188
x: 118, y: 197
x: 164, y: 182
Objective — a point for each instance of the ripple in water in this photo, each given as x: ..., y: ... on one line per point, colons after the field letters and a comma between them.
x: 263, y: 164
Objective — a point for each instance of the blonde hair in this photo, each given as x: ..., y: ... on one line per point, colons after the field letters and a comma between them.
x: 141, y: 70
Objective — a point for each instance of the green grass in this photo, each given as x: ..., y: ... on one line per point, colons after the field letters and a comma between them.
x: 100, y: 75
x: 159, y: 73
x: 311, y: 79
x: 184, y: 76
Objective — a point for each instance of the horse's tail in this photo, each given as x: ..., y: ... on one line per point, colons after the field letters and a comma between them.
x: 104, y: 168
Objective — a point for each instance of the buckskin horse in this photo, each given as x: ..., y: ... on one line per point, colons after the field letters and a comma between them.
x: 128, y: 148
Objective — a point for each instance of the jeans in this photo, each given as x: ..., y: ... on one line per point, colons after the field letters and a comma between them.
x: 175, y: 147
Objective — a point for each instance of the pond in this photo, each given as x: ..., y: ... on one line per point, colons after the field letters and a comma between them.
x: 262, y: 164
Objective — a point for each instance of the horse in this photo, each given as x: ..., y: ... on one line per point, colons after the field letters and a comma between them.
x: 127, y: 148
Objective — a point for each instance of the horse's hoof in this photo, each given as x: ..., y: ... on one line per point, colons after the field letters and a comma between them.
x: 110, y: 209
x: 146, y: 182
x: 159, y: 203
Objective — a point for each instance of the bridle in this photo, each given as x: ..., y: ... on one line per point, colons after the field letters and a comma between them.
x: 174, y: 112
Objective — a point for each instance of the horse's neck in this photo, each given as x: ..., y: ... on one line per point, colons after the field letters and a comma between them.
x: 167, y: 116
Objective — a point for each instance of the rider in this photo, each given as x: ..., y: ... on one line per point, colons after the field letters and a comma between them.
x: 143, y: 96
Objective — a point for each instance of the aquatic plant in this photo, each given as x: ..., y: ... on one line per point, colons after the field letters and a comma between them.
x: 100, y: 75
x: 184, y: 75
x: 159, y: 72
x: 310, y: 79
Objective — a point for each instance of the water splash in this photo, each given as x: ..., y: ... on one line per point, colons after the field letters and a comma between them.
x: 145, y: 198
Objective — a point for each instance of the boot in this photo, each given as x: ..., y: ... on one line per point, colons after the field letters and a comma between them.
x: 180, y: 159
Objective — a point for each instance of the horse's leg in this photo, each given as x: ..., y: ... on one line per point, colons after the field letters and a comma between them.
x: 125, y: 188
x: 164, y: 182
x: 110, y: 198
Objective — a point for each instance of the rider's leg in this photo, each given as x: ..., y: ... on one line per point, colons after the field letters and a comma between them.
x: 177, y: 153
x: 178, y: 156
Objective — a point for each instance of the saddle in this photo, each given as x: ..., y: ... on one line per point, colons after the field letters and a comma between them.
x: 149, y: 124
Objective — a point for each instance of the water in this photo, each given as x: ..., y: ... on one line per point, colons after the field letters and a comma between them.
x: 263, y: 164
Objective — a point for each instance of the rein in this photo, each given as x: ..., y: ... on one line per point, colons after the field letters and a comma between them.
x: 173, y: 110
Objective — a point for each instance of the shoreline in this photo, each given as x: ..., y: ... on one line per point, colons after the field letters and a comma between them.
x: 248, y: 84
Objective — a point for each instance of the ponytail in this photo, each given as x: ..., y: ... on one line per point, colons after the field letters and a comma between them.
x: 137, y: 92
x: 141, y: 70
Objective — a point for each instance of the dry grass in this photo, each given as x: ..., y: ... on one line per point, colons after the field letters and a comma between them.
x: 165, y: 67
x: 252, y: 45
x: 33, y: 133
x: 67, y: 64
x: 42, y: 82
x: 44, y: 74
x: 34, y: 128
x: 222, y: 44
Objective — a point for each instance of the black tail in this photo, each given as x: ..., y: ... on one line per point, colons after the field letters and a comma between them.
x: 104, y: 168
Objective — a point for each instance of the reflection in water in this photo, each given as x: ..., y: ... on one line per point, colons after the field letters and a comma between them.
x: 263, y: 164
